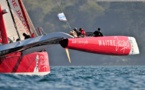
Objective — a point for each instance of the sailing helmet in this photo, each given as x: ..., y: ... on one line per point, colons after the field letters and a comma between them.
x: 99, y: 29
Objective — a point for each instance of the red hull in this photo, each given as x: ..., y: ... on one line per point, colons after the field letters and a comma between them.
x: 34, y: 63
x: 111, y: 45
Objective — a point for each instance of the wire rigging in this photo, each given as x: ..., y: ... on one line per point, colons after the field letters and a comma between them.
x: 60, y: 7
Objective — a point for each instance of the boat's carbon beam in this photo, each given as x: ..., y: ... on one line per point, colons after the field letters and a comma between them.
x: 49, y: 39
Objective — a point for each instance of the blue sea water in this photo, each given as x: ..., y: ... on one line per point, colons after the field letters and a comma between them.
x: 79, y: 78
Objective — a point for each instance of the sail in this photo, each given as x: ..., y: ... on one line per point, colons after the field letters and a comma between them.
x: 10, y: 27
x: 32, y: 28
x: 17, y: 20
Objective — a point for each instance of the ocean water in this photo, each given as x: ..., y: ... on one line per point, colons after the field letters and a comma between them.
x: 79, y: 78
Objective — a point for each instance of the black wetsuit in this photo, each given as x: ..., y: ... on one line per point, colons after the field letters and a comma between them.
x: 97, y: 33
x: 27, y: 36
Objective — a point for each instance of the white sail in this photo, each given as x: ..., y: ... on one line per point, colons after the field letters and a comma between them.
x: 10, y: 27
x: 32, y: 28
x: 17, y: 20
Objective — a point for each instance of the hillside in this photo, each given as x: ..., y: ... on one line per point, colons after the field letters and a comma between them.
x: 114, y: 18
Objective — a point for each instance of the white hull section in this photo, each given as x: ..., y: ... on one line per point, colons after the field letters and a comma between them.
x: 24, y: 73
x: 134, y: 46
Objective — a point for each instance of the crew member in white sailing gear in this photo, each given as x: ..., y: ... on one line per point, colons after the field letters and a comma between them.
x: 73, y: 33
x: 78, y: 33
x: 98, y: 33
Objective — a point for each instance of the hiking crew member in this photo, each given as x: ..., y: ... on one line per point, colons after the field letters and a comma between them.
x: 82, y: 31
x: 78, y: 33
x: 73, y: 33
x: 26, y: 36
x: 98, y: 33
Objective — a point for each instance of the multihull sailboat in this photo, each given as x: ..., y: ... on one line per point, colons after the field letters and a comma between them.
x: 13, y: 24
x: 30, y: 56
x: 24, y: 56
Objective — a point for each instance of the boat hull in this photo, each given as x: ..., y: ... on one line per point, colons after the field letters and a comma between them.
x: 109, y: 45
x: 36, y: 63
